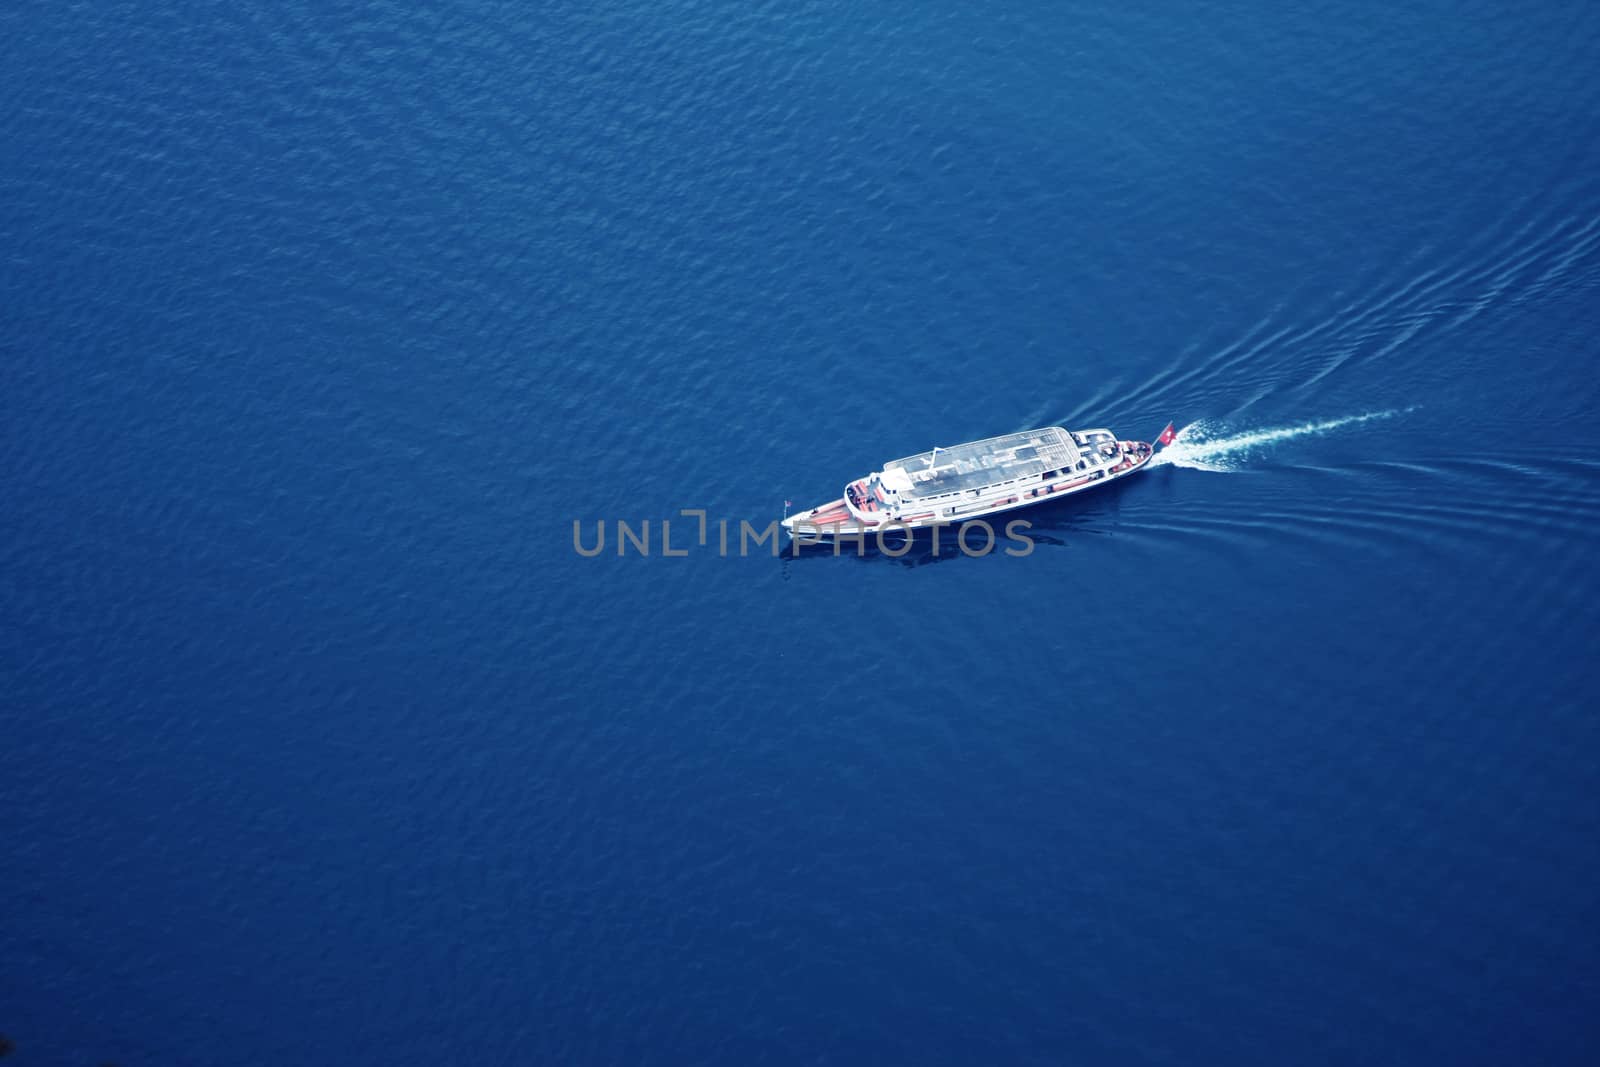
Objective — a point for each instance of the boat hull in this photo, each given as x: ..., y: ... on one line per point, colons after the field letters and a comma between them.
x: 837, y: 519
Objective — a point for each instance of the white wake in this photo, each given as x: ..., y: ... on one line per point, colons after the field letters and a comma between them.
x: 1207, y: 446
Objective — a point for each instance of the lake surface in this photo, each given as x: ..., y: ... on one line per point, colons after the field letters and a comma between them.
x: 323, y: 323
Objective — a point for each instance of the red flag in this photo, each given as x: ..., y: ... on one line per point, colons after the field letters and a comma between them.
x: 1167, y: 436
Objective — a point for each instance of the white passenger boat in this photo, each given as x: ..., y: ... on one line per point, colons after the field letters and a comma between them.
x: 976, y: 480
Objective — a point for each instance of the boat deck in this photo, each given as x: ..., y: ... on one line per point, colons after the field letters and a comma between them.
x: 981, y: 463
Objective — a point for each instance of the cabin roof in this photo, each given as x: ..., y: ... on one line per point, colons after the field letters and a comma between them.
x: 980, y: 463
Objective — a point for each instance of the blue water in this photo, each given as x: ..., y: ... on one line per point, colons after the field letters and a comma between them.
x: 322, y: 323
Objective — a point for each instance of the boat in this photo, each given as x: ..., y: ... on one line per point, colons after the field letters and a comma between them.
x: 975, y: 480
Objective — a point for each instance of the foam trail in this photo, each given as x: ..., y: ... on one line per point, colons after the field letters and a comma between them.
x: 1200, y: 446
